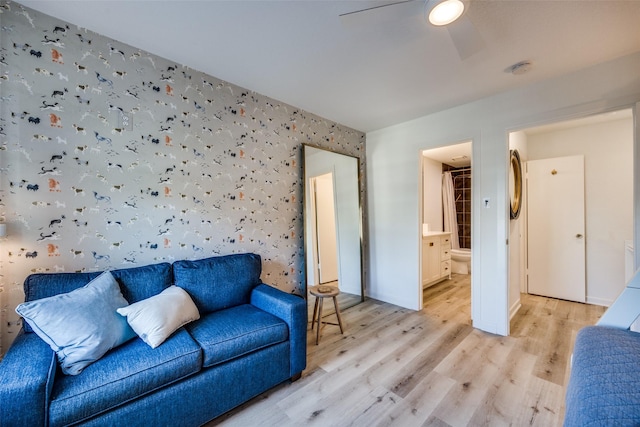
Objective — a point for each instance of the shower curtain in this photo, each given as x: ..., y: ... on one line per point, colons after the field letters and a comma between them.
x: 449, y: 209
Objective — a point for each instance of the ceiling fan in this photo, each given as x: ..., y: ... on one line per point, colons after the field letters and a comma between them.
x: 463, y: 33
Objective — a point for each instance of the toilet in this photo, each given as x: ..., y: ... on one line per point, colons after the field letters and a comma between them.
x: 461, y: 261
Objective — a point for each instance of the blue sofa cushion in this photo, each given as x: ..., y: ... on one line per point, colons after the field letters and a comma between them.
x: 140, y: 283
x: 136, y: 283
x: 604, y: 386
x: 122, y: 375
x: 219, y: 282
x: 227, y: 334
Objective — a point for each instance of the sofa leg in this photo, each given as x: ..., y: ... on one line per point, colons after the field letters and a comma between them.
x: 296, y: 377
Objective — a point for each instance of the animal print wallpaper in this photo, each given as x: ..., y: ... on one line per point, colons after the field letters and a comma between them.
x: 112, y: 157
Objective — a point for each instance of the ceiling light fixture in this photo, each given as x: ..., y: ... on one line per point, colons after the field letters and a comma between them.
x: 444, y: 12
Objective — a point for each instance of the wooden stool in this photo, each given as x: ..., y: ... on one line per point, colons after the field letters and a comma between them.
x: 317, y: 308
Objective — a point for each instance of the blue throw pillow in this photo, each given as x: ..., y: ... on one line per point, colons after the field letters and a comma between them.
x: 81, y: 325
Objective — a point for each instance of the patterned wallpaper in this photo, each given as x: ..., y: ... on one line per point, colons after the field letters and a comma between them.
x: 111, y: 157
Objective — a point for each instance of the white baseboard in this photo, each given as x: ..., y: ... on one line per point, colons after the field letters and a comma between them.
x: 599, y: 301
x: 514, y: 308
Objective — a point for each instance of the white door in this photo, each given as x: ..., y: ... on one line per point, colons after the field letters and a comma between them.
x: 556, y: 228
x: 326, y: 228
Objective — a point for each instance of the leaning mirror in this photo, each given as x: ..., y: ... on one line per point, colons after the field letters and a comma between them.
x: 515, y: 184
x: 332, y: 223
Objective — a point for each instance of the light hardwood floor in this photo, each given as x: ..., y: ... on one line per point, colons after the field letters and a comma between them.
x: 397, y: 367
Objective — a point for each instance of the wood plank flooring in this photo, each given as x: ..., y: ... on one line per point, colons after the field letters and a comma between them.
x: 397, y: 367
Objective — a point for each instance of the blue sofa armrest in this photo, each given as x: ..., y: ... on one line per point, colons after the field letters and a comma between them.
x: 293, y: 310
x: 26, y: 378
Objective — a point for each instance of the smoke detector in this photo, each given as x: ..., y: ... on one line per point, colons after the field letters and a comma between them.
x: 459, y: 158
x: 519, y: 68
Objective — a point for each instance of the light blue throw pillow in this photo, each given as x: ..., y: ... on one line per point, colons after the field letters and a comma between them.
x: 82, y: 325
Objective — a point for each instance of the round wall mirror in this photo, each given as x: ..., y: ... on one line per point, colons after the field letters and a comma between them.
x: 515, y: 184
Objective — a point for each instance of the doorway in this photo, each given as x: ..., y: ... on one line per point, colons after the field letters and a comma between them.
x: 446, y: 225
x: 605, y: 142
x: 325, y: 255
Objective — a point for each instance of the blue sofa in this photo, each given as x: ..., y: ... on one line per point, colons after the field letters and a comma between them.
x: 249, y: 338
x: 604, y: 386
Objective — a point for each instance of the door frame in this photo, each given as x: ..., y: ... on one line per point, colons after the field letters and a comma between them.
x: 474, y: 156
x: 636, y: 178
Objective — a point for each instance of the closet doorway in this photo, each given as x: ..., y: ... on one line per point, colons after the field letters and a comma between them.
x: 606, y: 142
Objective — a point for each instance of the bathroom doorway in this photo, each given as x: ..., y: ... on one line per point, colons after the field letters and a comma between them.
x: 446, y: 228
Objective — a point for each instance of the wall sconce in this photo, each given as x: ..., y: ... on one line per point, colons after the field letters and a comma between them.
x: 3, y: 230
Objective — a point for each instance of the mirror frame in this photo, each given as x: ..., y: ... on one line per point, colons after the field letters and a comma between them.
x: 305, y: 147
x: 515, y: 199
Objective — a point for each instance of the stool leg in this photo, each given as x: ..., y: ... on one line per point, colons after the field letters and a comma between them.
x: 319, y: 320
x: 335, y: 304
x: 315, y: 313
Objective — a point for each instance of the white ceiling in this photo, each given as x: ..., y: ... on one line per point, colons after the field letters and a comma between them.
x: 373, y: 72
x: 457, y: 155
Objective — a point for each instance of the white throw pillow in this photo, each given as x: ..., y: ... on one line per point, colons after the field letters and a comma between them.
x: 155, y: 319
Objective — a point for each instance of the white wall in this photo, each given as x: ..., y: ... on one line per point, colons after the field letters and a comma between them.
x: 394, y: 171
x: 517, y: 231
x: 608, y: 155
x: 432, y: 185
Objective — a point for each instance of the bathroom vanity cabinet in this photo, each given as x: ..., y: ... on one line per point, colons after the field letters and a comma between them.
x: 436, y: 257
